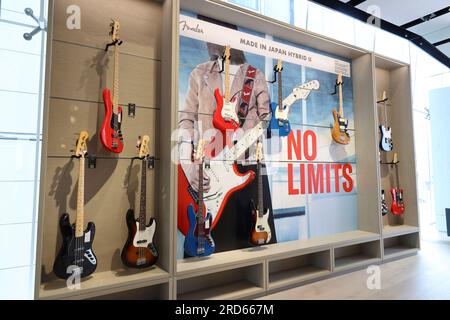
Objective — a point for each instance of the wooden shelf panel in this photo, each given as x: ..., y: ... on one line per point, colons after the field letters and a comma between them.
x: 233, y: 291
x: 398, y: 251
x: 279, y: 250
x: 295, y: 276
x: 392, y: 231
x: 104, y: 283
x: 352, y: 262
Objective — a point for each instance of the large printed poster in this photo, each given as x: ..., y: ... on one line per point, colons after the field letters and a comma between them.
x: 309, y: 180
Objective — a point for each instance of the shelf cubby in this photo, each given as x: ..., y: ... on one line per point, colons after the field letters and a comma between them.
x: 156, y: 292
x: 298, y: 269
x: 397, y: 246
x: 232, y: 284
x: 356, y: 256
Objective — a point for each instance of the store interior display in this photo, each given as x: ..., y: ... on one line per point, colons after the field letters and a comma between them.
x: 242, y: 184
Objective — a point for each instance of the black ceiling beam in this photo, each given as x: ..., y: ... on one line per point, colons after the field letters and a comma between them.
x: 440, y: 43
x: 387, y: 26
x: 355, y: 3
x: 426, y: 18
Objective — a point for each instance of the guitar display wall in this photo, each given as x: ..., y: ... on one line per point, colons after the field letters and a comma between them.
x: 78, y: 69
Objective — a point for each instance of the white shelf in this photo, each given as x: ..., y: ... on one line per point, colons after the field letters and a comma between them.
x: 106, y: 282
x: 392, y: 231
x: 233, y: 291
x: 295, y: 276
x: 279, y: 250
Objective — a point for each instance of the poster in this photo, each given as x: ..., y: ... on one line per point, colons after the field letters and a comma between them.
x: 309, y: 181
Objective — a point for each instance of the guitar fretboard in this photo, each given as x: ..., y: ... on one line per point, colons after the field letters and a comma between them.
x: 116, y: 76
x: 79, y: 223
x: 143, y: 198
x: 260, y: 190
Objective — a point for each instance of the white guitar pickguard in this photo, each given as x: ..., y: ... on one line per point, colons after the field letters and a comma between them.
x: 144, y: 238
x: 229, y: 111
x: 262, y: 225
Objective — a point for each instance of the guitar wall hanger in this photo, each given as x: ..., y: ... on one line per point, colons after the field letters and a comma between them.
x: 150, y: 161
x: 276, y: 71
x: 113, y: 43
x: 336, y: 86
x: 42, y: 25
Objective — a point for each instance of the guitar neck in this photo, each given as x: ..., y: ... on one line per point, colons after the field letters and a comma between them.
x: 260, y: 190
x: 200, y: 217
x: 249, y: 138
x: 143, y: 198
x: 227, y: 80
x: 397, y: 177
x: 79, y: 223
x: 341, y: 101
x: 280, y: 89
x: 116, y: 76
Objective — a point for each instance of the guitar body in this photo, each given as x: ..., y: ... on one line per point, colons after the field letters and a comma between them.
x: 191, y: 241
x: 225, y: 117
x: 398, y: 206
x: 261, y: 233
x: 110, y: 134
x: 66, y: 256
x: 277, y: 123
x: 339, y: 131
x: 225, y: 179
x: 139, y: 250
x: 386, y: 143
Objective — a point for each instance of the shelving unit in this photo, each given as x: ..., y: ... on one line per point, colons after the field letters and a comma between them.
x: 151, y: 58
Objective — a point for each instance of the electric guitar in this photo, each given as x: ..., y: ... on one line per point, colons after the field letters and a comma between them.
x: 339, y: 131
x: 76, y: 255
x: 139, y: 250
x: 384, y: 206
x: 225, y: 117
x: 261, y: 233
x: 280, y: 110
x: 386, y: 143
x: 198, y: 241
x: 225, y: 179
x: 398, y: 206
x: 111, y: 134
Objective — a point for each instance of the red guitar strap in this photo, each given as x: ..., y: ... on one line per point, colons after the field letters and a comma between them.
x: 246, y: 93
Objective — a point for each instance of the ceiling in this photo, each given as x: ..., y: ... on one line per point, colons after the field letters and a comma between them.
x: 429, y: 19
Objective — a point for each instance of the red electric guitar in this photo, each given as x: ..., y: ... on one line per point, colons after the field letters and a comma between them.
x: 111, y: 134
x: 225, y: 117
x: 398, y: 206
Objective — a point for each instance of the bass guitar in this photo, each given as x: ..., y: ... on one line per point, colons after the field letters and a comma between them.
x: 386, y: 143
x: 398, y: 206
x: 225, y: 117
x: 280, y: 110
x: 76, y: 255
x: 225, y: 179
x: 198, y: 241
x: 261, y: 233
x: 139, y: 250
x: 111, y: 134
x: 339, y: 132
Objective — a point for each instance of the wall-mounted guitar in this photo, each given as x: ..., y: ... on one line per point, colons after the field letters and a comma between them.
x: 340, y: 127
x: 225, y: 178
x: 225, y: 117
x: 111, y: 134
x: 261, y: 233
x: 386, y: 143
x: 198, y: 241
x: 76, y: 255
x: 398, y: 206
x: 139, y: 250
x: 280, y: 110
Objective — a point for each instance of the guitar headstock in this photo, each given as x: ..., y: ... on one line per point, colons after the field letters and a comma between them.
x: 339, y: 81
x: 395, y: 158
x: 81, y: 148
x: 259, y: 151
x: 227, y: 53
x: 143, y: 146
x: 199, y: 154
x: 311, y: 85
x: 303, y: 91
x: 279, y: 66
x: 115, y: 27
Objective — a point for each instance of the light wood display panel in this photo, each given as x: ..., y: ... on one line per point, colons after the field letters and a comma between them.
x: 149, y: 78
x: 78, y: 71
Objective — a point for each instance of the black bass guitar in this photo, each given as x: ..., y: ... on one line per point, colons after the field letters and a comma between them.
x: 76, y: 255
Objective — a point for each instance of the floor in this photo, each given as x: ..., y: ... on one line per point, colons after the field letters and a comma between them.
x: 424, y: 276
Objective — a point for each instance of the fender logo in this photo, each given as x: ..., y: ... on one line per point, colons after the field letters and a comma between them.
x: 185, y: 27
